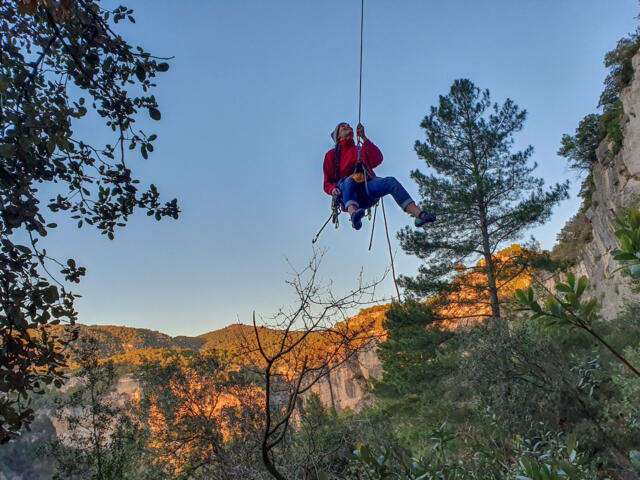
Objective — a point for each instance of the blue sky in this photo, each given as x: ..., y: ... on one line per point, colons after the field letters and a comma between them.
x: 253, y: 91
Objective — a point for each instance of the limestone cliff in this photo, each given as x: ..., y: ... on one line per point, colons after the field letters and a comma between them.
x: 616, y: 179
x: 348, y: 385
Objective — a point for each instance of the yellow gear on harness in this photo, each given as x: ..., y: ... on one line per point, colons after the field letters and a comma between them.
x: 358, y: 177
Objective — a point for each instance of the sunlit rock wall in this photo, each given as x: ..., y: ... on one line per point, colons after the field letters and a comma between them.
x: 616, y: 184
x: 348, y: 385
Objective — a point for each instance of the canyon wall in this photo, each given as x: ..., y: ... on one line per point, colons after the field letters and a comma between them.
x: 616, y: 183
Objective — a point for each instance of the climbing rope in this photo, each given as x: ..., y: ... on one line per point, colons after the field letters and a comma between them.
x: 373, y: 225
x: 335, y: 212
x: 393, y: 268
x: 361, y: 43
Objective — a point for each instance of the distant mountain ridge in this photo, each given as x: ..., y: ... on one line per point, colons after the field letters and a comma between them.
x: 114, y: 340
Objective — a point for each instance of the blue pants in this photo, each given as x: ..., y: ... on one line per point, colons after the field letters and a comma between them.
x: 366, y: 196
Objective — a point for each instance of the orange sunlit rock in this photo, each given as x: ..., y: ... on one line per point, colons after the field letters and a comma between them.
x: 470, y: 302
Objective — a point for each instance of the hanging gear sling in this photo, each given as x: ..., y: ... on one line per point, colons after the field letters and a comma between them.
x: 359, y: 176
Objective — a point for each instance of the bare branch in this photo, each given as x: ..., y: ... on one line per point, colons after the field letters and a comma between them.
x: 300, y: 346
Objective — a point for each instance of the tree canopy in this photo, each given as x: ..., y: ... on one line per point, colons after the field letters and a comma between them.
x: 483, y: 192
x: 61, y: 62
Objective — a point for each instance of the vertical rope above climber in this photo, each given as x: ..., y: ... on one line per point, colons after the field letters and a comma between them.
x: 386, y: 228
x: 361, y: 43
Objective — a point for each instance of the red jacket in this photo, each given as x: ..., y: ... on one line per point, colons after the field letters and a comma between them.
x: 370, y: 157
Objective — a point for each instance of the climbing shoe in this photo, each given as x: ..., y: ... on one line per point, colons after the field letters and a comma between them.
x: 424, y: 218
x: 356, y: 218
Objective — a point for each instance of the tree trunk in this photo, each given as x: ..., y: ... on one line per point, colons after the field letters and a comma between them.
x: 491, y: 277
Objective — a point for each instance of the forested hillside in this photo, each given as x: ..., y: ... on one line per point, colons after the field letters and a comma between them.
x: 114, y: 340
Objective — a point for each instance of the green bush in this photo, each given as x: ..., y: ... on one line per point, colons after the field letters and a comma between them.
x: 611, y: 124
x: 580, y: 149
x: 549, y: 456
x: 571, y: 240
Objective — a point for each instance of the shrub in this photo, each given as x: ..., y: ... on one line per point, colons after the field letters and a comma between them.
x: 580, y: 149
x: 571, y: 240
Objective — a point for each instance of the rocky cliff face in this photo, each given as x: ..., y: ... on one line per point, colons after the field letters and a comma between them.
x: 348, y: 385
x: 616, y: 180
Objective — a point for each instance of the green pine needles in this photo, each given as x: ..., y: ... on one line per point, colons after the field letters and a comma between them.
x: 483, y: 192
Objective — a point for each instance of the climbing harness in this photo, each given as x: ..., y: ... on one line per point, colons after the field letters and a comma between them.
x: 360, y: 176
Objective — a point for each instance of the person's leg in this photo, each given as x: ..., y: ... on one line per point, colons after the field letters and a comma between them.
x: 413, y: 210
x: 350, y: 199
x: 381, y: 186
x: 349, y: 193
x: 364, y: 199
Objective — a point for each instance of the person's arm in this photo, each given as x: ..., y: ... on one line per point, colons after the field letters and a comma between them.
x: 372, y: 154
x: 328, y: 167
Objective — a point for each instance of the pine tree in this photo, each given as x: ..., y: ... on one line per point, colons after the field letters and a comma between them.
x: 412, y: 357
x: 483, y: 192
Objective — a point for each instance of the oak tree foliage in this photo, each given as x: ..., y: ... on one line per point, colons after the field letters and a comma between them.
x: 62, y: 62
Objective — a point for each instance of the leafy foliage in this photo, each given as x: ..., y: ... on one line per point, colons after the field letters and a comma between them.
x: 575, y: 234
x: 548, y: 458
x: 122, y: 342
x: 520, y: 376
x: 507, y: 381
x: 619, y: 63
x: 420, y: 386
x: 414, y: 350
x: 195, y: 410
x: 324, y: 440
x: 565, y: 308
x: 628, y: 234
x: 61, y: 61
x: 23, y: 456
x: 103, y: 440
x: 580, y: 149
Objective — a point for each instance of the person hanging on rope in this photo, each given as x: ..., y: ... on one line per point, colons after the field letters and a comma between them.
x: 350, y: 178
